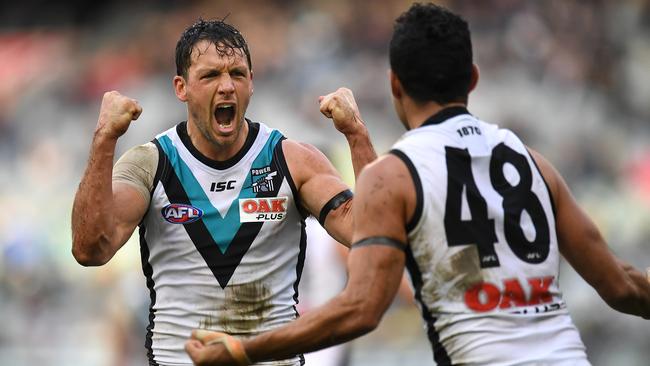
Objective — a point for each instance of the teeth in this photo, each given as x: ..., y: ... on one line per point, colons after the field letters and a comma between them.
x: 222, y: 108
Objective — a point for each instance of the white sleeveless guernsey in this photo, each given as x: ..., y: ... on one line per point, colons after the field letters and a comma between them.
x: 222, y: 243
x: 483, y: 254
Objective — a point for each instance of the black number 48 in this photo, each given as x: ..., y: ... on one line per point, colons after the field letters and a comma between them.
x: 480, y: 230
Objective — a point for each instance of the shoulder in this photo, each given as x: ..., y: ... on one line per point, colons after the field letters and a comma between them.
x: 387, y: 181
x: 552, y: 177
x: 144, y: 156
x: 303, y: 157
x: 299, y: 148
x: 137, y: 168
x: 387, y: 171
x: 385, y: 193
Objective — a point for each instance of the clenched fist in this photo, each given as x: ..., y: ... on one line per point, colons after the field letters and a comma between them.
x: 116, y: 113
x: 341, y: 107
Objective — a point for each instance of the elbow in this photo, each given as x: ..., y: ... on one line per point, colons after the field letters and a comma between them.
x: 367, y: 324
x: 89, y: 261
x: 621, y: 297
x: 86, y: 257
x: 367, y: 319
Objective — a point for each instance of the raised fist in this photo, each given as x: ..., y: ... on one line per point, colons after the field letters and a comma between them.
x: 341, y: 107
x: 116, y: 113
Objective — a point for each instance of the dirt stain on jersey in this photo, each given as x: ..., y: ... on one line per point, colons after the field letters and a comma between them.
x: 243, y: 311
x: 453, y: 276
x: 465, y: 263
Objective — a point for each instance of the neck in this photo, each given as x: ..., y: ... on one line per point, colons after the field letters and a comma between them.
x: 417, y: 113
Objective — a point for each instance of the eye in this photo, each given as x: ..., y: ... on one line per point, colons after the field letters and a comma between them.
x: 210, y: 74
x: 238, y: 73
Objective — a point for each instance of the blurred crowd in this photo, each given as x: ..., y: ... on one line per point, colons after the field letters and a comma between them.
x: 572, y: 77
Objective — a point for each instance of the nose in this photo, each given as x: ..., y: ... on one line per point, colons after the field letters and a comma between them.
x: 226, y: 85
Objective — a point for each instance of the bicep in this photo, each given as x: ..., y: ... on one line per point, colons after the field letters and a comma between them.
x: 583, y: 246
x: 579, y: 240
x: 380, y: 214
x: 317, y: 183
x: 129, y: 207
x: 375, y: 274
x: 133, y: 177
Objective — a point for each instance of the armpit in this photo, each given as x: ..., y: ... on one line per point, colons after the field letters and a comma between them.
x: 137, y: 168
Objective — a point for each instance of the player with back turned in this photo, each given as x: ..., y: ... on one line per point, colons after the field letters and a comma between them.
x: 477, y: 218
x: 220, y: 200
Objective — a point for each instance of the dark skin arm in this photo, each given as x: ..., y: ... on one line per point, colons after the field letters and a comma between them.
x: 384, y: 202
x: 621, y: 286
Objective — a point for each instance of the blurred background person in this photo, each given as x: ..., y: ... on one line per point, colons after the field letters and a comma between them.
x: 575, y: 74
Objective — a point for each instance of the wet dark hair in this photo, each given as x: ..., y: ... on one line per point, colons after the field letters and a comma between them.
x: 226, y: 38
x: 431, y: 54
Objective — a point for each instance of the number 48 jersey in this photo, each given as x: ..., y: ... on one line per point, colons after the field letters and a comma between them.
x: 483, y: 254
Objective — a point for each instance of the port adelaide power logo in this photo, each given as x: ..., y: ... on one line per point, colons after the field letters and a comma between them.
x: 263, y: 179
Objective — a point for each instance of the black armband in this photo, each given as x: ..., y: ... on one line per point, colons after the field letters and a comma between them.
x: 333, y: 204
x: 380, y: 240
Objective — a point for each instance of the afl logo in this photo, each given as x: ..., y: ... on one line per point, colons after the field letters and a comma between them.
x: 177, y: 213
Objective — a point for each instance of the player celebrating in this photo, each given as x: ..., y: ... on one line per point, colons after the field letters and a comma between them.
x: 220, y: 200
x: 478, y: 220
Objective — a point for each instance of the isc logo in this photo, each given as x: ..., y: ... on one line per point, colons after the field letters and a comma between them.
x: 177, y: 213
x: 262, y: 209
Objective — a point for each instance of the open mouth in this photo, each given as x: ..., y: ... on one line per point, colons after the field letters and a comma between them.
x: 225, y: 114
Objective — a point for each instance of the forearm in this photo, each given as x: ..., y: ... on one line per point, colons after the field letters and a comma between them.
x: 344, y: 320
x: 92, y: 222
x: 374, y: 275
x: 361, y: 149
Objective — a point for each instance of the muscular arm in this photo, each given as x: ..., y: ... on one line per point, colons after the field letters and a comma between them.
x: 374, y: 270
x: 317, y: 180
x: 104, y: 214
x: 619, y: 284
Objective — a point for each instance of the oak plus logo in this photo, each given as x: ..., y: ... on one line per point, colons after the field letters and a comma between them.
x: 178, y: 213
x: 262, y: 209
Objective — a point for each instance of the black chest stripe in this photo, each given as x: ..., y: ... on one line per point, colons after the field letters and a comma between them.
x: 222, y: 265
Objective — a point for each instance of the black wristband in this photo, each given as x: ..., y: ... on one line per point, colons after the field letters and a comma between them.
x: 333, y: 204
x: 380, y: 240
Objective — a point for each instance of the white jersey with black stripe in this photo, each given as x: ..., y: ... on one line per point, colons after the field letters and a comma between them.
x: 483, y: 254
x: 222, y: 243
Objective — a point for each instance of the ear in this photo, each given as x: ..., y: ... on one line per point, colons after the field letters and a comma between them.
x: 252, y: 87
x: 395, y: 85
x: 179, y: 88
x: 474, y: 80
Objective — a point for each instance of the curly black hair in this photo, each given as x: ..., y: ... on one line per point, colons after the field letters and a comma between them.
x: 431, y: 54
x: 226, y: 38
